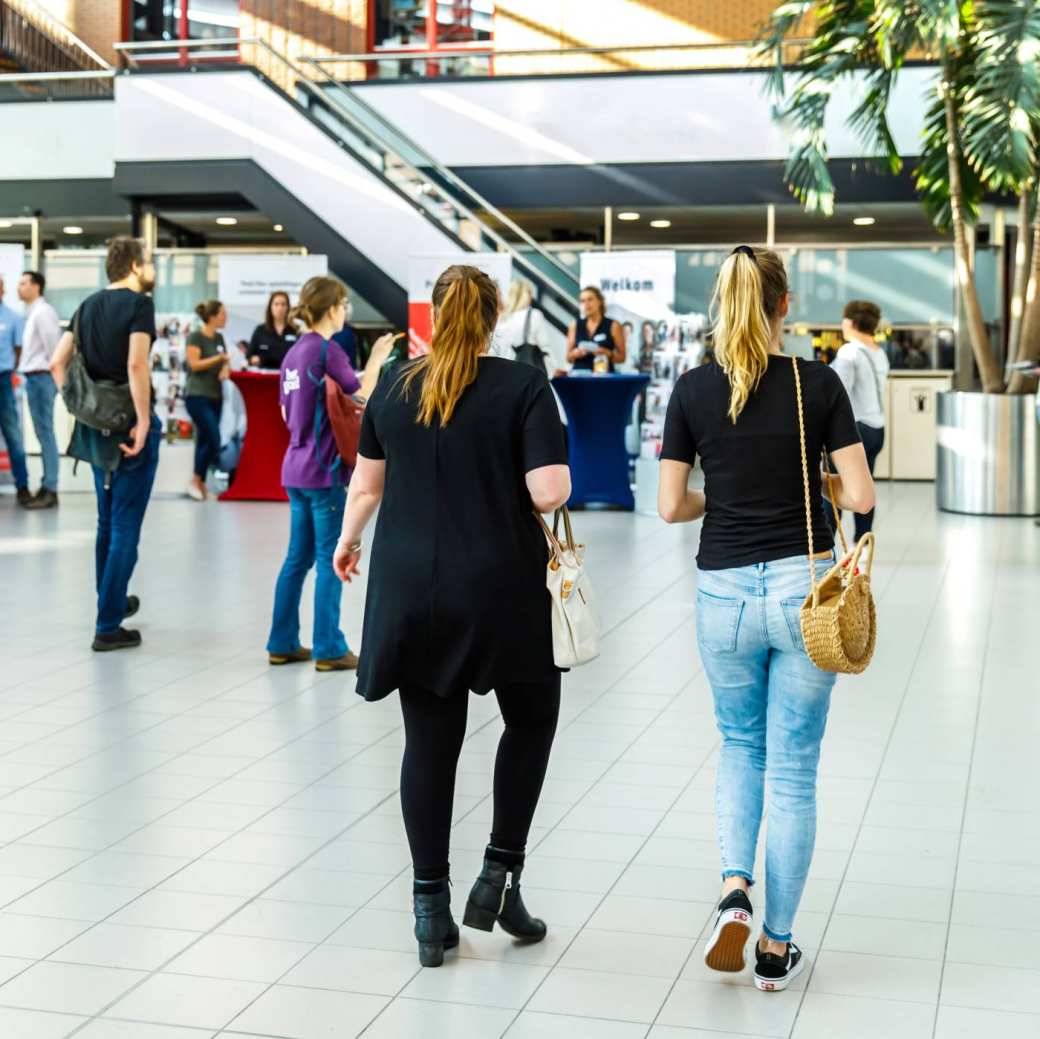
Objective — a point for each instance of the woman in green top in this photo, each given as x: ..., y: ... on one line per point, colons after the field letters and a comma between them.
x: 208, y: 366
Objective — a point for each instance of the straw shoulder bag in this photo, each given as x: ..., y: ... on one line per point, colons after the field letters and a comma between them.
x: 575, y: 624
x: 838, y: 617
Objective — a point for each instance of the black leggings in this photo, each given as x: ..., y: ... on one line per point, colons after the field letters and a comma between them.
x: 435, y: 728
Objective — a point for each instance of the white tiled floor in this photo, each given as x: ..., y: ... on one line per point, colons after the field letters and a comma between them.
x: 193, y: 844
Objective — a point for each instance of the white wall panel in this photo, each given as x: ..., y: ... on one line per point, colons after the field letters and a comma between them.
x: 57, y: 140
x: 704, y: 117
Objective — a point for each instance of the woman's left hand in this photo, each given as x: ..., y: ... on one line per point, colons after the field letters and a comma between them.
x: 345, y: 561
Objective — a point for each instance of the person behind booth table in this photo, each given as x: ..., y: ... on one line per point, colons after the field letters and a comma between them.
x: 314, y: 478
x: 347, y: 337
x: 739, y: 417
x: 461, y: 448
x: 594, y: 334
x: 208, y: 365
x: 272, y: 339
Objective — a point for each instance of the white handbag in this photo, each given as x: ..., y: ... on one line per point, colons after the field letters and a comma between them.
x: 575, y: 625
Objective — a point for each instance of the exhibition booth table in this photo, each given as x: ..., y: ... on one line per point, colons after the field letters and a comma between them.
x: 599, y: 409
x: 259, y: 473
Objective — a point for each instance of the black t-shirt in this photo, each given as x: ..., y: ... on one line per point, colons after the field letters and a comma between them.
x: 106, y: 321
x: 271, y: 347
x: 456, y: 591
x: 753, y: 469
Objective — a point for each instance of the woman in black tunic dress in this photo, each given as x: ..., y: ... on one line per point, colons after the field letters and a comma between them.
x: 460, y: 449
x: 594, y: 334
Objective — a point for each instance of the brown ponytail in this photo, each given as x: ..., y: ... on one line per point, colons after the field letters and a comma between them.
x: 317, y: 297
x: 466, y: 302
x: 209, y: 310
x: 748, y: 294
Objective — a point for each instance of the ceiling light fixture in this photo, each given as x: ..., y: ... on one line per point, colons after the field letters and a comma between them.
x: 864, y: 221
x: 72, y: 229
x: 660, y: 223
x: 227, y: 221
x: 628, y: 216
x: 278, y: 227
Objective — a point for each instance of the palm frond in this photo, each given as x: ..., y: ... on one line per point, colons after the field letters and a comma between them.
x: 932, y: 172
x: 1001, y: 107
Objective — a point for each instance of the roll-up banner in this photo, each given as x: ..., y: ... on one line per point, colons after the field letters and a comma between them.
x: 423, y: 272
x: 246, y: 281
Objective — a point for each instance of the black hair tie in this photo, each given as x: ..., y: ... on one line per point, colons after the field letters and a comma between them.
x: 747, y: 251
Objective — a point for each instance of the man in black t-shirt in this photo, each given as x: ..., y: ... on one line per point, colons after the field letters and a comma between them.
x: 116, y: 332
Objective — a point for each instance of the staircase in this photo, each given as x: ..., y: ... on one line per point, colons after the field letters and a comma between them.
x: 32, y: 41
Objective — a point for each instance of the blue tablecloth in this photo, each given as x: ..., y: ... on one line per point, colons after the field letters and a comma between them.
x: 599, y: 408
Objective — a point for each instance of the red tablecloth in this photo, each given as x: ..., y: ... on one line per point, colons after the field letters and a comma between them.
x: 259, y: 474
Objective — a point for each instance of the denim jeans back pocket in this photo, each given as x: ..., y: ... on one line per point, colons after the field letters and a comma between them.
x: 718, y: 622
x: 792, y: 611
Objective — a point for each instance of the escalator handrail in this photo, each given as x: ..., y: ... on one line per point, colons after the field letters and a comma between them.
x: 445, y: 173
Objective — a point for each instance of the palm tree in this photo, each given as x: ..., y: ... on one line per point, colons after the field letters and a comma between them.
x: 982, y: 131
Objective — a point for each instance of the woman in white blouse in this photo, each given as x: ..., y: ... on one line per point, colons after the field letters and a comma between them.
x: 523, y: 323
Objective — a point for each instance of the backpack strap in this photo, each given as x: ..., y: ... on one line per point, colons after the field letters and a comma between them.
x: 527, y: 326
x: 319, y: 408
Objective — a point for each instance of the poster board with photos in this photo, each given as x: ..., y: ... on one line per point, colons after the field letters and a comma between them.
x: 639, y: 289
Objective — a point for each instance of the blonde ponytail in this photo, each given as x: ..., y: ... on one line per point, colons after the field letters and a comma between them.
x: 748, y: 293
x: 466, y: 302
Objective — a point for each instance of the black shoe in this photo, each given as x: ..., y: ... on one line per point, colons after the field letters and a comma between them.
x: 496, y: 897
x: 122, y: 638
x: 24, y: 497
x: 774, y: 973
x: 725, y: 948
x: 44, y: 500
x: 435, y: 930
x: 133, y: 604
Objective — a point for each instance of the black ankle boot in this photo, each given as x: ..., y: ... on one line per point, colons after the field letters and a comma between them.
x: 435, y: 930
x: 496, y: 897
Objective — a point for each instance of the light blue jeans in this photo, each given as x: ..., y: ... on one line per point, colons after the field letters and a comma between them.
x: 316, y: 516
x: 40, y: 391
x: 771, y: 706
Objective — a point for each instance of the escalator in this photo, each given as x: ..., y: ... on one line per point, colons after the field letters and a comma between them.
x: 306, y: 151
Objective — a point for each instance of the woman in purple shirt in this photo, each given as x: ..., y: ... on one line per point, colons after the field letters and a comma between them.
x: 314, y: 478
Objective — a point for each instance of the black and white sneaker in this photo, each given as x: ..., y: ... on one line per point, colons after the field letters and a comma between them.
x: 725, y: 948
x: 774, y: 973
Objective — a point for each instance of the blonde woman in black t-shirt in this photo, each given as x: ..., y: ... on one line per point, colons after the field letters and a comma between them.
x: 739, y: 416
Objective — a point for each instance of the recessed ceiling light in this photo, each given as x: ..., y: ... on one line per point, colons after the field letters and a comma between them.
x: 864, y: 221
x: 628, y: 216
x: 71, y: 229
x: 227, y: 221
x: 660, y: 223
x: 278, y: 227
x: 6, y: 223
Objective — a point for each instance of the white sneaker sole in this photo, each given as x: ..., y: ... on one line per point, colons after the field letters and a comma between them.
x: 725, y: 948
x: 779, y: 984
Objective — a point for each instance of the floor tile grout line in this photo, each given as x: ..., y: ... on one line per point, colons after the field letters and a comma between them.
x: 679, y: 625
x: 967, y: 798
x: 873, y: 788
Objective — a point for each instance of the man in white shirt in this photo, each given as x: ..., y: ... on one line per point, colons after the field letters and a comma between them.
x: 863, y: 368
x: 40, y: 334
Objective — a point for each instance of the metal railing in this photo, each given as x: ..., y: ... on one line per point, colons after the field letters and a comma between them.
x: 429, y: 186
x: 34, y: 42
x: 468, y: 60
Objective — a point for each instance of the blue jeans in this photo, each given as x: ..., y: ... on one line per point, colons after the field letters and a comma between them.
x: 11, y: 428
x: 121, y: 507
x: 205, y: 414
x: 41, y: 390
x: 316, y: 516
x: 771, y: 706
